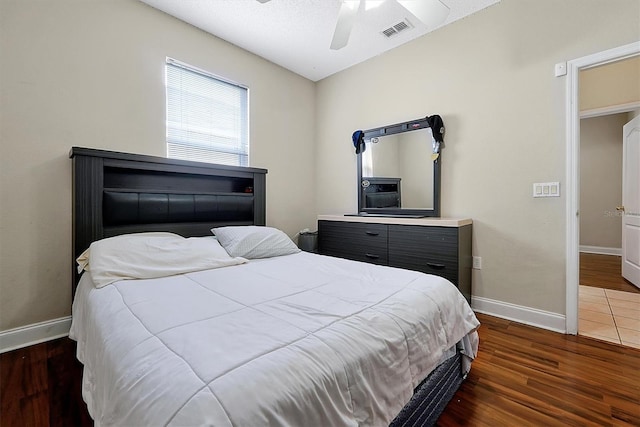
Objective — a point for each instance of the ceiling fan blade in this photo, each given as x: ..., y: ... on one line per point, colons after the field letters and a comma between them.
x: 346, y: 19
x: 431, y: 12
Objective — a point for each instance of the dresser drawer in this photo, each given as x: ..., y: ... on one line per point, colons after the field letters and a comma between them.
x: 432, y: 250
x: 356, y: 241
x: 440, y: 250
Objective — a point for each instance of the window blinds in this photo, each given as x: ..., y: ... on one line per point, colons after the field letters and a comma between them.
x: 207, y: 118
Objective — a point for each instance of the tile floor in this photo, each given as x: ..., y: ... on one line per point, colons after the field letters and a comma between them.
x: 609, y: 315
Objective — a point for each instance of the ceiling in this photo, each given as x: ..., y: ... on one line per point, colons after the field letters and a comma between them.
x: 296, y: 34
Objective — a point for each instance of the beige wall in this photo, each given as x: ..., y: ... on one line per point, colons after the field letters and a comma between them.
x: 601, y: 180
x: 491, y: 77
x: 611, y: 84
x: 91, y: 73
x: 417, y: 175
x: 385, y: 157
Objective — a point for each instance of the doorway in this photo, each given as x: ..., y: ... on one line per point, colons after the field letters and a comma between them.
x: 608, y: 305
x: 573, y: 170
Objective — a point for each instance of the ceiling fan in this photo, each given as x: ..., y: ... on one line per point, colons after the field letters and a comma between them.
x: 431, y: 12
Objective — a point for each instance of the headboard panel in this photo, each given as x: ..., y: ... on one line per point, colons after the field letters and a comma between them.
x: 133, y: 208
x: 116, y: 193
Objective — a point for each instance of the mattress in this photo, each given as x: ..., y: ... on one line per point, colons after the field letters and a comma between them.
x: 301, y: 339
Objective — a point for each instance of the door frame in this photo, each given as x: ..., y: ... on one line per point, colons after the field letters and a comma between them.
x: 572, y: 112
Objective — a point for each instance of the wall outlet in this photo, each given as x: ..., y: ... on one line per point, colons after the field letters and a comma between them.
x: 477, y: 263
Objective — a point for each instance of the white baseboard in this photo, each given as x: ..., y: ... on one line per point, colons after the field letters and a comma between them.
x: 600, y: 250
x: 34, y: 334
x: 521, y: 314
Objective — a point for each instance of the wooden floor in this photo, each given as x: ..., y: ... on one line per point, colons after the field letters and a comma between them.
x: 523, y: 376
x: 40, y: 386
x: 604, y: 271
x: 526, y: 376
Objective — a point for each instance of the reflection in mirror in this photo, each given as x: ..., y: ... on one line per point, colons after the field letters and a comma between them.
x: 399, y: 168
x: 401, y: 164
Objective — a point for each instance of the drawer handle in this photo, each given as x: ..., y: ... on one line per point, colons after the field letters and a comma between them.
x: 372, y: 233
x: 372, y: 256
x: 435, y: 266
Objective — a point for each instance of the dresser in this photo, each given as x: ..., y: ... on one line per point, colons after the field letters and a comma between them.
x: 440, y: 246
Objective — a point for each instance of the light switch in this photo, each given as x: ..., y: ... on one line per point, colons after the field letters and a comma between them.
x: 546, y: 189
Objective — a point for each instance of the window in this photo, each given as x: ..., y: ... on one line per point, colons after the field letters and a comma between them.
x: 207, y: 118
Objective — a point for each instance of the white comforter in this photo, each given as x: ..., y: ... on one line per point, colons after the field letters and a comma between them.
x: 296, y: 340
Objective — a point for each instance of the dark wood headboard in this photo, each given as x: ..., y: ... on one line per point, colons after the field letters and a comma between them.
x: 117, y: 193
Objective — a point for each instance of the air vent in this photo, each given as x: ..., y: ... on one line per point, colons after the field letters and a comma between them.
x: 395, y: 29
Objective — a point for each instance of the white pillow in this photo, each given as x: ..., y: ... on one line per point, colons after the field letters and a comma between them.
x: 253, y: 241
x: 151, y: 255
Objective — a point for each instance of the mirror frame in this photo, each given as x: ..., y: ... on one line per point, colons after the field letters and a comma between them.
x: 437, y: 166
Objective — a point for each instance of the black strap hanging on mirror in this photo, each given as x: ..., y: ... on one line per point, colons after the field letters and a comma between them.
x: 358, y: 141
x: 437, y: 127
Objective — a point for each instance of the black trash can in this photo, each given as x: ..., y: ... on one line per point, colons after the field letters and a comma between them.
x: 308, y: 241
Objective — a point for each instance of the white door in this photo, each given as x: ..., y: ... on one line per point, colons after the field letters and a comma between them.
x: 631, y: 201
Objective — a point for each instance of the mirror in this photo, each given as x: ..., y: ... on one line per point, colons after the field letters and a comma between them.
x: 399, y: 169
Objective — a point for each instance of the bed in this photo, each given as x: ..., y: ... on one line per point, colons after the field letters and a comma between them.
x: 269, y: 335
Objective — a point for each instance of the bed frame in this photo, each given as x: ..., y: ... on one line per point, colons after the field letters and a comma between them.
x: 117, y: 193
